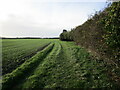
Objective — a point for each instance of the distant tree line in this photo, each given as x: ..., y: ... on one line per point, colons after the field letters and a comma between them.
x: 29, y: 38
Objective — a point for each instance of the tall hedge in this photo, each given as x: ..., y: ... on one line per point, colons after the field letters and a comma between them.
x: 100, y: 34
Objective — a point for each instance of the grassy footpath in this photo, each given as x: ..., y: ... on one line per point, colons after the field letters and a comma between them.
x: 65, y: 66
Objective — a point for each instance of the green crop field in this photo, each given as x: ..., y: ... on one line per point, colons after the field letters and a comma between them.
x: 16, y: 51
x: 50, y: 63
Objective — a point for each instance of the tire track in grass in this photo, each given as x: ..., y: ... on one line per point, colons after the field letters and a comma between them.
x: 53, y: 76
x: 54, y: 72
x: 62, y: 71
x: 11, y: 80
x: 43, y: 71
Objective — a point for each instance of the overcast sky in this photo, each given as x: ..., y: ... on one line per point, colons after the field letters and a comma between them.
x: 44, y: 18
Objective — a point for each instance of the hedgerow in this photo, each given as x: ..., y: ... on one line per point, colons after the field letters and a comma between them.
x: 100, y: 34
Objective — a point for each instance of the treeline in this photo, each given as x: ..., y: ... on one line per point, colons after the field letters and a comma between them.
x: 29, y: 38
x: 100, y: 34
x: 66, y: 35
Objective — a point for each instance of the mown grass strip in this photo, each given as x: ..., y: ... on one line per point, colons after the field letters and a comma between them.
x: 10, y: 80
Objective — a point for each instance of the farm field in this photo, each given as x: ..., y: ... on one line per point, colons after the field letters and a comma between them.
x: 16, y: 51
x: 54, y: 64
